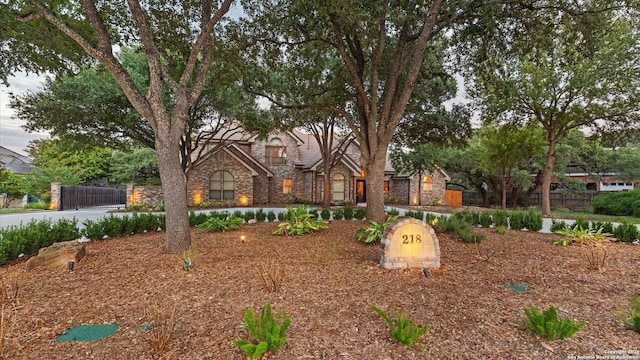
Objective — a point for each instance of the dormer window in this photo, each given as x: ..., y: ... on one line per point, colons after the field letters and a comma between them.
x: 275, y: 152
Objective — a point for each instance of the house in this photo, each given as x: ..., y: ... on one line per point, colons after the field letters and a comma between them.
x: 287, y: 166
x: 18, y: 164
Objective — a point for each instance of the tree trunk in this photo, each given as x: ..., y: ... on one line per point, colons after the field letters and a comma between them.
x: 503, y: 191
x: 374, y: 172
x: 174, y: 187
x: 546, y: 180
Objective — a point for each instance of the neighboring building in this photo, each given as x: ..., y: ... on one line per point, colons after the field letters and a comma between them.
x: 15, y: 162
x: 597, y: 182
x: 287, y: 166
x: 18, y: 164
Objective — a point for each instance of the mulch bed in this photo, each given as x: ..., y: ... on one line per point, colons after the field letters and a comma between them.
x: 328, y: 282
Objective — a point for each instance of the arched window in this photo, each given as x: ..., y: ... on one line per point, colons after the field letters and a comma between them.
x: 275, y: 152
x: 337, y: 187
x: 427, y: 183
x: 221, y: 186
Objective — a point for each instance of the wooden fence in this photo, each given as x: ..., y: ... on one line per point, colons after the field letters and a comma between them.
x: 578, y: 201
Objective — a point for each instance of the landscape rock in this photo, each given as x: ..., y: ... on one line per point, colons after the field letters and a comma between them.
x: 58, y: 254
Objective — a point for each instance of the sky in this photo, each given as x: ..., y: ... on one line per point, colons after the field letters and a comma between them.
x: 12, y: 136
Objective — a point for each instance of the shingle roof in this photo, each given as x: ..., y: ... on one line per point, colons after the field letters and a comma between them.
x: 15, y: 162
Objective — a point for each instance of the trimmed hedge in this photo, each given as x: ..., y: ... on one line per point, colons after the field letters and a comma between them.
x: 617, y: 203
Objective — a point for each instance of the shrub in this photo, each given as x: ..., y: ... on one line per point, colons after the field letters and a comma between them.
x: 261, y: 216
x: 214, y: 223
x: 314, y: 212
x: 360, y: 213
x: 393, y: 212
x: 338, y: 214
x: 196, y: 219
x: 136, y: 207
x: 205, y: 204
x: 373, y: 233
x: 325, y: 214
x: 283, y: 216
x: 548, y: 325
x: 271, y: 216
x: 557, y: 225
x: 533, y: 220
x: 581, y: 223
x: 430, y: 218
x: 404, y: 330
x: 249, y: 215
x: 266, y: 329
x: 626, y: 232
x: 29, y: 238
x: 516, y: 220
x: 301, y: 222
x: 485, y: 219
x: 631, y: 319
x: 472, y: 217
x: 159, y: 206
x: 500, y: 218
x: 417, y: 215
x: 348, y: 213
x: 617, y: 203
x: 457, y: 226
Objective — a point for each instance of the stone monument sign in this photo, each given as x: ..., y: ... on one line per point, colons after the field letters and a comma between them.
x: 409, y: 243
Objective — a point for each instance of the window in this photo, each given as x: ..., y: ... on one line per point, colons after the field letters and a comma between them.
x: 221, y: 186
x: 386, y: 186
x: 286, y: 186
x: 321, y: 187
x: 427, y: 183
x: 275, y: 152
x: 337, y: 187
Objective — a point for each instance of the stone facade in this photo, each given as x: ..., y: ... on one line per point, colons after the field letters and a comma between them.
x: 147, y: 195
x: 259, y: 179
x: 198, y: 189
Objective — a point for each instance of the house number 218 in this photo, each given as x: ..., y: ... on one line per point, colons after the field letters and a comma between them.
x: 411, y: 239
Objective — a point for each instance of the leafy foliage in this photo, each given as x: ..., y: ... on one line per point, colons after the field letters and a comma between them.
x: 404, y: 330
x: 325, y: 214
x: 457, y: 225
x: 626, y: 232
x: 548, y: 325
x: 29, y: 238
x: 617, y: 203
x: 116, y: 226
x: 301, y: 222
x: 215, y: 223
x: 360, y: 213
x: 533, y: 220
x: 373, y: 233
x: 577, y: 234
x: 631, y: 319
x: 266, y: 329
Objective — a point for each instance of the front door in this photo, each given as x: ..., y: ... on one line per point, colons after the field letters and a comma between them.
x: 361, y: 192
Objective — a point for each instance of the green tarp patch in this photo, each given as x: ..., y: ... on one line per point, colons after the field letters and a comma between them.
x: 88, y: 332
x: 518, y: 288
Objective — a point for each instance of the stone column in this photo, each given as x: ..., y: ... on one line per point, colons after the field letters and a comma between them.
x: 56, y: 191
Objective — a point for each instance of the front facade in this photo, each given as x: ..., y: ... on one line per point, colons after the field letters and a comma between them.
x: 287, y: 167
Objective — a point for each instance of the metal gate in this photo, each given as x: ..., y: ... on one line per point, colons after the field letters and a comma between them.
x: 77, y: 197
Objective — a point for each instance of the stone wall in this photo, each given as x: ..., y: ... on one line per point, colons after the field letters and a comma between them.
x: 399, y: 190
x: 147, y: 195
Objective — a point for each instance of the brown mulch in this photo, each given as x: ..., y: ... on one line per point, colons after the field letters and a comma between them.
x: 328, y: 282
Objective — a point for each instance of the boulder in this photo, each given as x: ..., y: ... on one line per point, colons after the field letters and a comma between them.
x: 58, y: 254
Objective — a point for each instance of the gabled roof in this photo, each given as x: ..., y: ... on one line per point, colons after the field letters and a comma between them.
x: 247, y: 159
x: 15, y: 162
